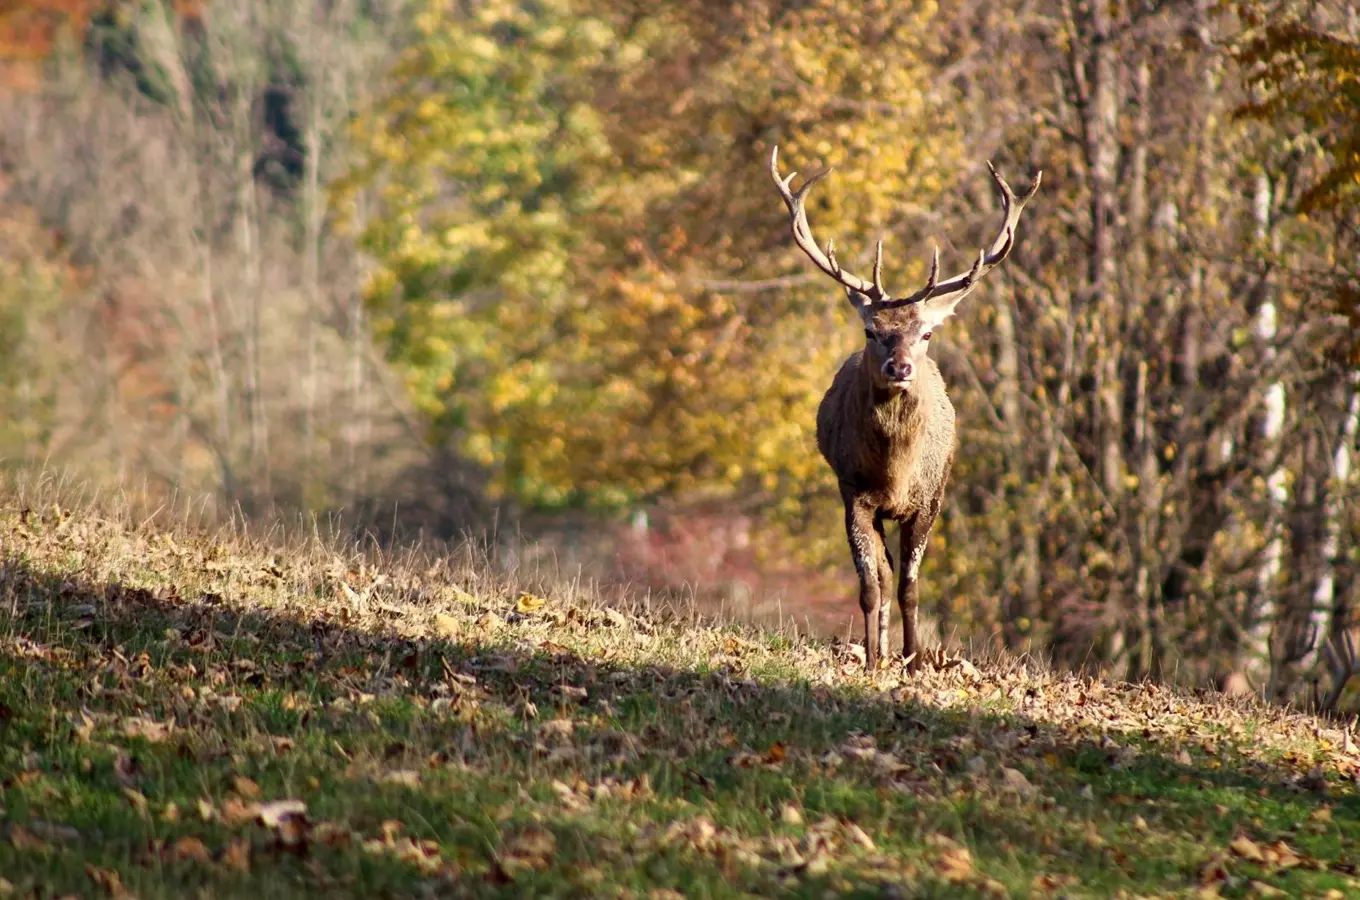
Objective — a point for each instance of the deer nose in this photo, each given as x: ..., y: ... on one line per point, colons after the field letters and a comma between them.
x: 898, y: 371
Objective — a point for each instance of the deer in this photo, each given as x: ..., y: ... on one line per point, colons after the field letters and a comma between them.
x: 886, y: 426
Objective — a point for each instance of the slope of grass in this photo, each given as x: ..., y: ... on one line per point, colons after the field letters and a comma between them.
x: 184, y: 716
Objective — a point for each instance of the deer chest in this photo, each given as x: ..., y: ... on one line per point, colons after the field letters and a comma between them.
x: 904, y: 471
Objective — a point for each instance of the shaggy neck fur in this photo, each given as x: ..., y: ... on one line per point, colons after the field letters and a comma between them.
x: 899, y: 413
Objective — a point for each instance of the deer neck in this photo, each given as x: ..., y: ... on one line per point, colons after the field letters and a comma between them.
x: 894, y: 412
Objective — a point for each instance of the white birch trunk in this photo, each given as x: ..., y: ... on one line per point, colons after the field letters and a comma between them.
x: 1265, y: 614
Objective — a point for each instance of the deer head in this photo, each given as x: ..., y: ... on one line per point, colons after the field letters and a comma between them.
x: 897, y: 330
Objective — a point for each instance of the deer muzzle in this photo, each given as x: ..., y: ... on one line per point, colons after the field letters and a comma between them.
x: 898, y: 373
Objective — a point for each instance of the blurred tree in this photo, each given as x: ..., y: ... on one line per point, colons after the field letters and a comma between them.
x: 35, y: 282
x: 1305, y: 78
x: 1301, y: 63
x: 180, y: 149
x: 556, y: 189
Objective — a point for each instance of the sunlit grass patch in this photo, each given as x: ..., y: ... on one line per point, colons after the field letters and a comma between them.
x: 181, y: 714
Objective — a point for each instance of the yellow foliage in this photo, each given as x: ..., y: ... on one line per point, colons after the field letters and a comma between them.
x: 580, y: 191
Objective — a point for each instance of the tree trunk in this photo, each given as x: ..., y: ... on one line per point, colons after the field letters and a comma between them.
x: 1093, y: 69
x: 1263, y: 613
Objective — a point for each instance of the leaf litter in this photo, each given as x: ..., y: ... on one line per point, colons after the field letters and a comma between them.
x: 341, y: 708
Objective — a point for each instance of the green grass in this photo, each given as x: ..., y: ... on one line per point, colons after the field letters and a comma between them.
x: 440, y: 734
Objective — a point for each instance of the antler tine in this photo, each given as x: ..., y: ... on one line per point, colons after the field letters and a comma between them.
x: 878, y: 268
x: 960, y: 285
x: 1007, y: 193
x: 802, y: 235
x: 1341, y: 660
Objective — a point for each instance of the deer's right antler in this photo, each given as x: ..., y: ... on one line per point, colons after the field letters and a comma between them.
x: 802, y: 236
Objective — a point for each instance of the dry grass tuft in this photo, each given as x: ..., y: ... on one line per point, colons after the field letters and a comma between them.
x: 274, y: 712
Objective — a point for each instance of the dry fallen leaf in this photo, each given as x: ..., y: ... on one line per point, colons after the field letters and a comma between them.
x: 236, y: 855
x: 446, y: 626
x: 1281, y: 855
x: 403, y: 777
x: 817, y: 862
x: 152, y: 731
x: 558, y: 728
x: 190, y: 848
x: 24, y: 840
x: 1246, y: 848
x: 1015, y: 780
x: 1213, y: 871
x: 458, y: 595
x: 955, y: 864
x: 109, y: 881
x: 790, y: 815
x: 235, y: 813
x: 529, y: 603
x: 859, y: 836
x: 136, y: 798
x: 531, y: 849
x: 83, y: 723
x: 1048, y: 882
x: 245, y: 787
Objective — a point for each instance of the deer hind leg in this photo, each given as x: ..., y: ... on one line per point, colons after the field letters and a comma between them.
x: 915, y: 533
x: 867, y: 550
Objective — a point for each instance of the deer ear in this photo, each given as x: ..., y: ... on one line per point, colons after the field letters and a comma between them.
x: 934, y: 312
x: 862, y: 304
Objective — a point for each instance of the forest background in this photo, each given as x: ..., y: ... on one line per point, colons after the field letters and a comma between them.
x: 515, y: 269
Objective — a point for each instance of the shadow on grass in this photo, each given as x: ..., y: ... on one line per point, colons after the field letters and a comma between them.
x: 129, y: 719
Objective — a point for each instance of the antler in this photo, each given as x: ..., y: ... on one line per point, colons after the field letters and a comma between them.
x: 952, y: 290
x: 1343, y: 661
x: 802, y: 236
x: 956, y: 288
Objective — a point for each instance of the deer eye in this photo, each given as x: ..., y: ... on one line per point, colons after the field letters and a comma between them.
x: 926, y: 336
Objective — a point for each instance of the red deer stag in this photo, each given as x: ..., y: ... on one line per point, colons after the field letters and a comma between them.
x: 885, y: 424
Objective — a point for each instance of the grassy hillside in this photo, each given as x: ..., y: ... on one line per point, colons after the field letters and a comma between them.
x: 185, y: 716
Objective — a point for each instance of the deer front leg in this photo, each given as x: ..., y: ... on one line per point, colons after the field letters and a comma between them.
x: 867, y: 550
x: 885, y: 586
x: 915, y: 533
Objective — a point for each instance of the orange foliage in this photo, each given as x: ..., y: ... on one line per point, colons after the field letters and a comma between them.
x: 30, y: 30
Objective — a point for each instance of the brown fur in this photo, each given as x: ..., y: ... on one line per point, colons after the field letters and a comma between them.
x: 886, y: 425
x: 891, y: 450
